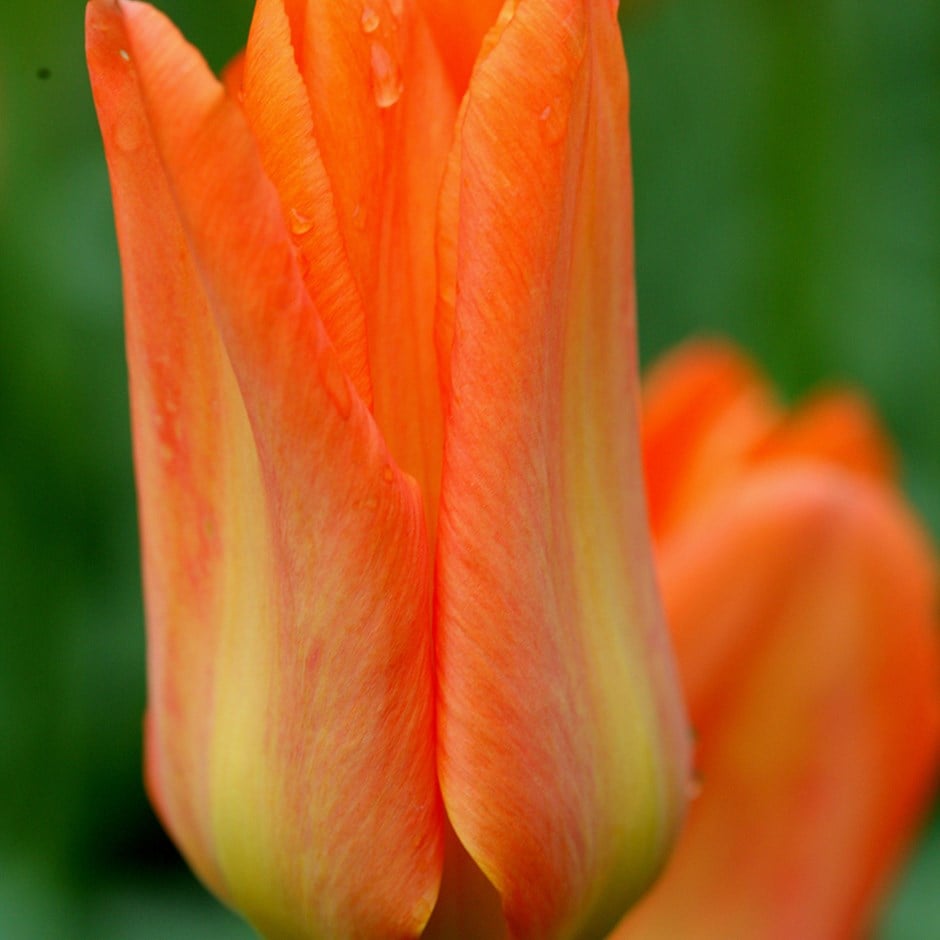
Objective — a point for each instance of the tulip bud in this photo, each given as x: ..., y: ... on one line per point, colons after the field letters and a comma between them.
x: 802, y: 596
x: 401, y: 612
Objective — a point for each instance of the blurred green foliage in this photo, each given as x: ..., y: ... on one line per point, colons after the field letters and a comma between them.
x: 787, y: 165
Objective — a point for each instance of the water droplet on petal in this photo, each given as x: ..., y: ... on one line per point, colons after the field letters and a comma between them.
x: 125, y: 55
x: 388, y: 474
x: 396, y: 7
x: 552, y: 124
x: 335, y: 383
x: 387, y: 83
x: 369, y: 20
x: 300, y: 224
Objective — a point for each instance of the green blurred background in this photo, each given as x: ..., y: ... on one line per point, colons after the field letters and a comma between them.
x: 787, y: 163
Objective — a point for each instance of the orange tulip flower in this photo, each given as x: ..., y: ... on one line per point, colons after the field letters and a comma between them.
x: 802, y: 596
x: 402, y: 619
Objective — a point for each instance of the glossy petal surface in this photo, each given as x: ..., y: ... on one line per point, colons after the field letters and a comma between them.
x: 561, y: 740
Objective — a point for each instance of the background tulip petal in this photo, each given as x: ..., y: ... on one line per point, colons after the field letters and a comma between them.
x: 839, y: 428
x: 562, y: 743
x: 709, y: 416
x: 803, y: 607
x: 290, y: 722
x: 705, y: 410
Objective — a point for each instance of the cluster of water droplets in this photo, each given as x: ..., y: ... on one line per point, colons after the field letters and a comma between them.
x: 387, y: 82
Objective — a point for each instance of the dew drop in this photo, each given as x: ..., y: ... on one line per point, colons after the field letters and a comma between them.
x: 125, y: 55
x: 551, y: 125
x: 387, y: 83
x: 300, y: 224
x: 397, y: 8
x: 388, y: 474
x: 335, y: 383
x: 369, y: 20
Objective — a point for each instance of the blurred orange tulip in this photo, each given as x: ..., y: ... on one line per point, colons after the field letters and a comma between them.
x: 399, y: 588
x: 802, y: 597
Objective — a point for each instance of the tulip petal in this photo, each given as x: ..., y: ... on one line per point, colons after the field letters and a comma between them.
x: 705, y: 411
x: 233, y: 76
x: 459, y: 27
x: 278, y: 111
x: 448, y: 213
x: 561, y: 740
x: 290, y: 720
x: 838, y: 428
x: 185, y: 410
x: 709, y: 416
x: 384, y: 152
x: 804, y: 612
